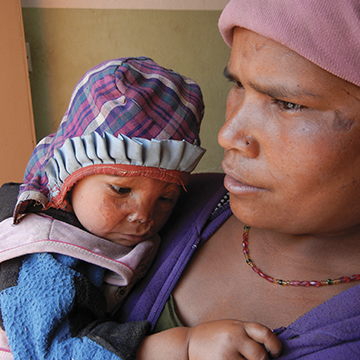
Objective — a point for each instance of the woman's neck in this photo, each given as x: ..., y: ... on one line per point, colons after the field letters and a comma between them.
x: 304, y: 257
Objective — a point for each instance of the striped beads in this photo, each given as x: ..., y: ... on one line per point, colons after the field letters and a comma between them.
x: 305, y: 283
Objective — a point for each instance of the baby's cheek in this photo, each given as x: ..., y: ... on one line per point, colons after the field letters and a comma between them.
x: 111, y: 211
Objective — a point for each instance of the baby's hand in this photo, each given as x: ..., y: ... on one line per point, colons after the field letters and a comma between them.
x: 232, y: 339
x: 214, y: 340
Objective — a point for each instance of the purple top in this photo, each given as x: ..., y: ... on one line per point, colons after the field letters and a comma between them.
x: 329, y: 331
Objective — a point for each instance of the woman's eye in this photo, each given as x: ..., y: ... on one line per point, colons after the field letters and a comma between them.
x: 288, y: 106
x: 238, y: 84
x: 232, y: 79
x: 120, y: 190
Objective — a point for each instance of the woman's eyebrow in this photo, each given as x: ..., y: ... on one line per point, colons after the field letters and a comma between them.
x: 274, y: 91
x: 278, y: 91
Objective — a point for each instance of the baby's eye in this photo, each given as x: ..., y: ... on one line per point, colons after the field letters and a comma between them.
x: 167, y: 199
x: 120, y: 190
x: 288, y: 106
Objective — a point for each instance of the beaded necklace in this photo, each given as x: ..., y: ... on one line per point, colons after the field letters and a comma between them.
x: 316, y: 283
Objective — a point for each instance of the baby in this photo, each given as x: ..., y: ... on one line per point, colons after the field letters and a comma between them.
x: 94, y: 197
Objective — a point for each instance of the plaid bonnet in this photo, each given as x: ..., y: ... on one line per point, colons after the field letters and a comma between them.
x: 128, y: 117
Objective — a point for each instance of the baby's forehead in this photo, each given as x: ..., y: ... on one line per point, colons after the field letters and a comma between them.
x: 139, y: 180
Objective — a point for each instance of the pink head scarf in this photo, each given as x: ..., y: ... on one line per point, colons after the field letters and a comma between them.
x: 325, y: 32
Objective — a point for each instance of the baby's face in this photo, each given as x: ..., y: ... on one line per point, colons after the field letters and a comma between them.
x: 124, y: 210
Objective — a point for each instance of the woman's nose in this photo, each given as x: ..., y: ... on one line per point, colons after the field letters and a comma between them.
x: 236, y: 134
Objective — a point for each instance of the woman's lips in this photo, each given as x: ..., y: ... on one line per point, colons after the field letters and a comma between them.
x: 237, y: 187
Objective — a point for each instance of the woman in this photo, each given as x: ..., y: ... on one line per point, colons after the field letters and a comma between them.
x: 292, y: 155
x: 292, y: 168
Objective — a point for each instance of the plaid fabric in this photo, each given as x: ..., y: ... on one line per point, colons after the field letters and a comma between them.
x: 131, y: 96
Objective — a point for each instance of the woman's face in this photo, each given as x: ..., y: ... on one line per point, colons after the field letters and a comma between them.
x: 291, y: 140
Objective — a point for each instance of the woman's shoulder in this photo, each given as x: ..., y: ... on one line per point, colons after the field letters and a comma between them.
x: 195, y: 206
x: 203, y: 187
x: 206, y: 179
x: 203, y: 193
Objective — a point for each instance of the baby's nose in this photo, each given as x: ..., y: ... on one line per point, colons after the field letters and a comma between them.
x: 141, y: 214
x: 137, y: 217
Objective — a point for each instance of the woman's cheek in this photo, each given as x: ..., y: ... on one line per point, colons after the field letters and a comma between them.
x: 233, y: 102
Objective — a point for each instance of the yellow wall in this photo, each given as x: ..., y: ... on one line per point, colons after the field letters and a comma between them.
x: 65, y: 43
x: 17, y: 136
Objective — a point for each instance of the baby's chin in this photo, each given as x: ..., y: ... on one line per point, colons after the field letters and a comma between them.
x: 126, y: 240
